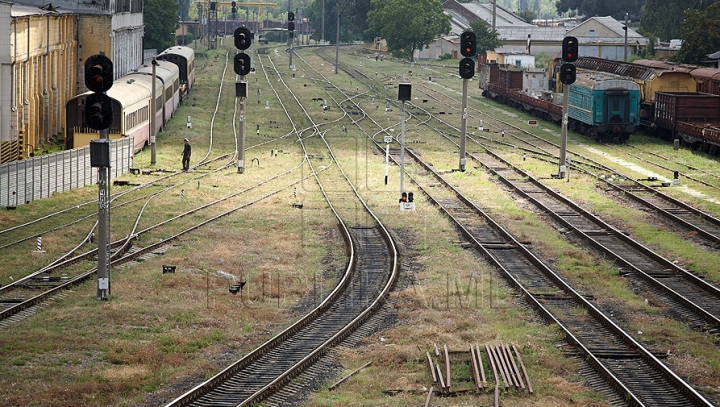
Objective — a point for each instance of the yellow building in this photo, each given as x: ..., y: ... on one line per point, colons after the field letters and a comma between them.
x: 42, y: 56
x: 36, y: 47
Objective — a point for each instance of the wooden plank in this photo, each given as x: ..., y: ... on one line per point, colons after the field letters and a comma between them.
x: 475, y: 372
x: 447, y: 367
x: 506, y: 365
x: 499, y: 365
x: 440, y: 377
x: 508, y: 352
x: 480, y: 365
x: 522, y: 365
x: 428, y: 398
x: 432, y: 369
x: 354, y: 372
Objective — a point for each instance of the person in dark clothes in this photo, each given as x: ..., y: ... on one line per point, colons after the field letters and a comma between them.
x: 186, y: 155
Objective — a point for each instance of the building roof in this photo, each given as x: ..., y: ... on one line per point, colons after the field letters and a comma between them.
x: 613, y: 25
x: 463, y: 13
x: 714, y: 55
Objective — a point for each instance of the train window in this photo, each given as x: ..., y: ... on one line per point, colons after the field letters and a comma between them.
x: 615, y: 104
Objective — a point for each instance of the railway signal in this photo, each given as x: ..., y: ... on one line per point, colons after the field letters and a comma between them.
x: 570, y: 49
x: 233, y: 6
x: 243, y: 38
x: 98, y: 111
x: 291, y: 22
x: 98, y: 73
x: 241, y: 64
x: 468, y: 47
x: 99, y: 79
x: 567, y: 74
x: 467, y: 68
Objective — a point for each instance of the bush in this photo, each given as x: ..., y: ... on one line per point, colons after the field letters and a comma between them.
x: 445, y: 56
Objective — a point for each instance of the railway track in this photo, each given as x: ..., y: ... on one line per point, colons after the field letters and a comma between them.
x: 372, y: 269
x: 651, y: 198
x: 692, y: 299
x: 636, y: 375
x: 26, y: 293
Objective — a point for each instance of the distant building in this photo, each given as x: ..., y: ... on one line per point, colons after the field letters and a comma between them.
x: 43, y: 48
x: 713, y: 60
x: 604, y: 37
x: 511, y: 57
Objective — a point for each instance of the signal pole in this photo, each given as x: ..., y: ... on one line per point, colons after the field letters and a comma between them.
x: 404, y: 90
x: 152, y: 115
x: 243, y: 40
x: 468, y: 48
x: 291, y: 34
x: 570, y: 50
x: 98, y: 116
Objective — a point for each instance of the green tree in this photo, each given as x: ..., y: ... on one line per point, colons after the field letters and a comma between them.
x: 594, y: 8
x: 527, y: 15
x: 355, y: 13
x: 407, y: 25
x: 332, y: 7
x: 161, y: 20
x: 486, y: 38
x: 184, y: 9
x: 663, y: 19
x: 700, y: 35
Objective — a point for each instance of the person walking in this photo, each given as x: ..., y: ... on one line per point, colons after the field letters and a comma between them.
x: 186, y: 155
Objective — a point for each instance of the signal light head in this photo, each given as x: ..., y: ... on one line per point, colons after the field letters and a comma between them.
x: 467, y: 68
x: 291, y: 16
x: 243, y: 38
x: 570, y: 49
x: 567, y: 74
x: 468, y: 44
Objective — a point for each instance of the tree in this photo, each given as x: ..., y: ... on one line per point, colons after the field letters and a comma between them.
x: 527, y: 15
x: 161, y: 20
x: 594, y: 8
x: 407, y: 25
x: 700, y: 35
x: 184, y: 7
x: 663, y: 19
x: 486, y: 37
x: 355, y: 13
x: 314, y: 14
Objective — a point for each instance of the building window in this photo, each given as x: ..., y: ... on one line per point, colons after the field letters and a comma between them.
x: 592, y: 33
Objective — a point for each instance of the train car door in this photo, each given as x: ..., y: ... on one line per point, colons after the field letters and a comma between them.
x: 616, y: 106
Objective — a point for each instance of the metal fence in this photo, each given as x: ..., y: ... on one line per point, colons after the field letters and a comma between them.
x: 40, y: 177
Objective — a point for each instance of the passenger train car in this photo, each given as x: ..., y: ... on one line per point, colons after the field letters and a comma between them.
x: 131, y: 102
x: 184, y: 58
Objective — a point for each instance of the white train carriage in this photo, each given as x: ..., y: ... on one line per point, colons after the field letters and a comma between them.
x: 169, y: 74
x: 184, y: 58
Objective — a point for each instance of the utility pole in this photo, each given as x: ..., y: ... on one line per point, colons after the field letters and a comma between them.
x: 337, y: 46
x: 626, y: 30
x: 322, y: 24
